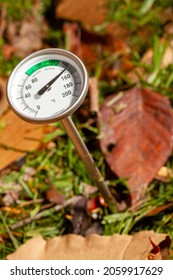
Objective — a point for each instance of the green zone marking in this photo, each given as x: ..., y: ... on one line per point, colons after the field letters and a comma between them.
x: 45, y: 63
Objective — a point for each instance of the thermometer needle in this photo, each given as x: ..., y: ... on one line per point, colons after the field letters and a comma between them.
x: 47, y: 86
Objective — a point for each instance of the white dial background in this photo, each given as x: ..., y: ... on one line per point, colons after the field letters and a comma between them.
x: 64, y: 95
x: 59, y: 96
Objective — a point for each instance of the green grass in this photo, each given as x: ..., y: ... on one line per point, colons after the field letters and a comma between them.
x: 150, y: 216
x: 57, y: 162
x: 17, y: 10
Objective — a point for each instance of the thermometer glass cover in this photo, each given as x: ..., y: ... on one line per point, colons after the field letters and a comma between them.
x: 47, y: 86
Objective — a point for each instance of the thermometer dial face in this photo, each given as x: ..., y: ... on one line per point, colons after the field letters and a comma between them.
x: 47, y: 86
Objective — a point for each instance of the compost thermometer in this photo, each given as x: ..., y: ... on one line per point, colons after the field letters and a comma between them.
x: 48, y: 86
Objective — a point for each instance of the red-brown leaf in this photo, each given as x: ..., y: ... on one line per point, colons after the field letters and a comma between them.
x: 136, y: 129
x: 54, y: 196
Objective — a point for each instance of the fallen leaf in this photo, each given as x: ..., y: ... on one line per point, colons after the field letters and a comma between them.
x: 96, y: 11
x: 155, y: 253
x: 92, y: 247
x: 136, y: 136
x: 3, y: 99
x: 10, y: 198
x: 159, y: 209
x: 88, y: 189
x: 12, y: 210
x: 160, y: 251
x: 3, y: 18
x: 17, y: 137
x: 164, y: 246
x: 54, y: 196
x: 2, y: 240
x: 8, y: 51
x: 27, y: 35
x: 28, y: 40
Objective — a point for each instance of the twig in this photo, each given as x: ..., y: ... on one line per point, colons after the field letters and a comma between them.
x: 27, y: 203
x: 94, y: 95
x: 44, y: 213
x: 3, y: 22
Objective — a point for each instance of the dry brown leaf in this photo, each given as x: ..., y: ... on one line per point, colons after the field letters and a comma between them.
x: 17, y: 136
x: 3, y: 99
x: 28, y: 40
x: 159, y: 209
x: 136, y: 136
x: 3, y: 18
x: 26, y: 36
x: 155, y: 253
x: 160, y: 251
x: 92, y: 247
x: 89, y: 12
x: 54, y: 196
x: 10, y: 197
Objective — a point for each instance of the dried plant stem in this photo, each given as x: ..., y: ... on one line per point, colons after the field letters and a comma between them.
x: 94, y: 95
x: 44, y: 213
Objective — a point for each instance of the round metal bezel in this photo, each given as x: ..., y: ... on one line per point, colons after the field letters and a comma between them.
x: 57, y: 52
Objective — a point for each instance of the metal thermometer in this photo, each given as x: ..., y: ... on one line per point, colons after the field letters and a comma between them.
x: 48, y: 86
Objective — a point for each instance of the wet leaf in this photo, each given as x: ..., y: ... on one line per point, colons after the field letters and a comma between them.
x: 136, y: 136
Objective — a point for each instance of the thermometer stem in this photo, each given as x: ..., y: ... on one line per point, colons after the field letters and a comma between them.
x: 89, y: 162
